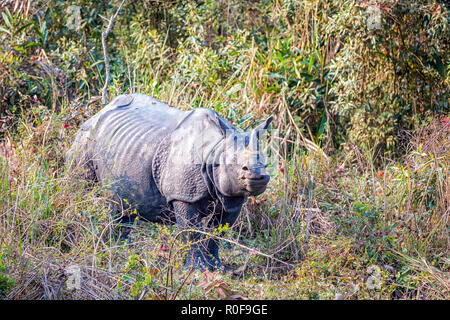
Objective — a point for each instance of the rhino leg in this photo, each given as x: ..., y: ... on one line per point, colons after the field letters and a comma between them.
x: 221, y: 218
x: 203, y: 252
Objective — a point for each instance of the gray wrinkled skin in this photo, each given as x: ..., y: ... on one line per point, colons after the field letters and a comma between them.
x: 172, y: 165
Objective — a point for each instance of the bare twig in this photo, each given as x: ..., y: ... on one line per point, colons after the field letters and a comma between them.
x: 251, y: 250
x: 105, y: 51
x: 182, y: 284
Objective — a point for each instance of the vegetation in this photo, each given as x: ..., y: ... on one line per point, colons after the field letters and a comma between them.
x: 358, y: 204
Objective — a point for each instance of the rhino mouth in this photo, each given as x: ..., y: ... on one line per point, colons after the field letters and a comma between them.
x: 256, y: 185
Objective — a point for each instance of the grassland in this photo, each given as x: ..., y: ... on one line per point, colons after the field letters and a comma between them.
x: 358, y: 203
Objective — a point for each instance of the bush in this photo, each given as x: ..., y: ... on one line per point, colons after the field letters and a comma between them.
x: 361, y: 186
x: 389, y: 75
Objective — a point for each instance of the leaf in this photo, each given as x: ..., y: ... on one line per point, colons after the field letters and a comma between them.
x: 31, y: 44
x: 275, y: 76
x: 323, y: 122
x: 153, y: 271
x: 236, y: 297
x: 237, y: 87
x: 310, y: 63
x: 276, y: 89
x: 37, y: 30
x: 97, y: 62
x: 307, y: 76
x: 221, y: 293
x: 224, y: 288
x: 438, y: 65
x: 10, y: 16
x: 45, y: 165
x: 5, y: 30
x: 5, y: 18
x: 41, y: 31
x: 22, y: 28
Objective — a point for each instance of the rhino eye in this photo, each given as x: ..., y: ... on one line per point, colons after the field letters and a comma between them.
x: 244, y: 168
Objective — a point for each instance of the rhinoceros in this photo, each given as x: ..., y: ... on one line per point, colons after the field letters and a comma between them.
x: 173, y: 166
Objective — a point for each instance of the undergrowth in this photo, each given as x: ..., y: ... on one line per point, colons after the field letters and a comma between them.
x: 358, y: 202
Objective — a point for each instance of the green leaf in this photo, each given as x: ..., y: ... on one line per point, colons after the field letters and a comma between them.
x: 310, y: 64
x: 22, y: 28
x: 276, y: 89
x: 439, y: 66
x: 307, y: 76
x: 5, y: 30
x: 32, y: 44
x: 6, y: 19
x: 38, y: 31
x: 275, y: 76
x: 97, y: 62
x: 322, y: 124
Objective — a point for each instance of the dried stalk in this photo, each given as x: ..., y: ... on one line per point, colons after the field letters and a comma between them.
x: 105, y: 52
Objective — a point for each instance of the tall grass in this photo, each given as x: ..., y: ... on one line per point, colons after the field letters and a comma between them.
x: 336, y: 215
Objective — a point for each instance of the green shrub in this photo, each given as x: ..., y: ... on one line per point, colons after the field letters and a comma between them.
x: 6, y: 282
x: 391, y: 75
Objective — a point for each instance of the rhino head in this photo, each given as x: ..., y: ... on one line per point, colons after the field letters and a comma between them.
x: 206, y: 152
x: 206, y: 167
x: 239, y: 166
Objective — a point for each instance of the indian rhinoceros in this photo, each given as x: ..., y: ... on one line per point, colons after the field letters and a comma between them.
x: 173, y: 165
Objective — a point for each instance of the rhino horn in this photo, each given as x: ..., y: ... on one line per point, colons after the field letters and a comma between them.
x: 254, y: 135
x: 253, y: 143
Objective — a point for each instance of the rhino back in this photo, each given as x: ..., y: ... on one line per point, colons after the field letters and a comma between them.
x: 126, y: 140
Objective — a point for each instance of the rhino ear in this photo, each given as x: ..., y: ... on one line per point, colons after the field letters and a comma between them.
x: 218, y: 122
x: 222, y: 124
x: 264, y: 125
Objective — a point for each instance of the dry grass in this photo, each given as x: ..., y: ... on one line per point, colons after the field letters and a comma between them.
x: 329, y: 223
x: 310, y: 236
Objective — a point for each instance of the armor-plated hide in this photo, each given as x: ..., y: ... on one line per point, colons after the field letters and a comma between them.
x: 170, y: 164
